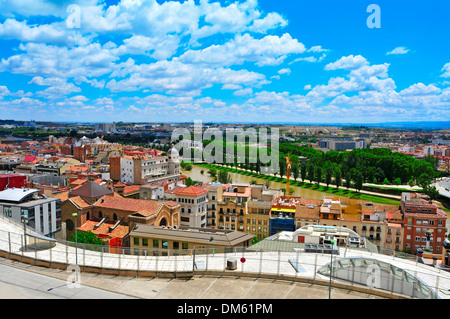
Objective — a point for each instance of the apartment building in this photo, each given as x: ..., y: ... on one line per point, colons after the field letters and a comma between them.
x: 424, y: 223
x: 282, y: 214
x: 144, y: 169
x: 193, y: 205
x: 43, y: 214
x: 331, y: 208
x: 308, y: 212
x: 257, y: 219
x: 214, y: 196
x: 233, y: 207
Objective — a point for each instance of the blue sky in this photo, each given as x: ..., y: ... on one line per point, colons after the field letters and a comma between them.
x: 224, y: 61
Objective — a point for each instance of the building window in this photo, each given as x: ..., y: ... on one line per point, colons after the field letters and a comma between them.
x: 7, y: 211
x: 144, y: 241
x: 155, y: 243
x: 185, y: 246
x: 136, y: 241
x: 176, y: 245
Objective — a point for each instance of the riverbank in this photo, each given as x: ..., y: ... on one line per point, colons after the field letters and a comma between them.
x: 388, y: 199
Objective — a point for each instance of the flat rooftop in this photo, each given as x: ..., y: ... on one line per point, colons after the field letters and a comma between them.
x: 16, y: 194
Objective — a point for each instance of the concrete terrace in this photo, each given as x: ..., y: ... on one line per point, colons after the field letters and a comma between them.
x: 262, y: 264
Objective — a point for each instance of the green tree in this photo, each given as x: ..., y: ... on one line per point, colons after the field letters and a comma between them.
x: 397, y: 181
x: 224, y: 177
x: 411, y: 182
x: 86, y: 238
x: 432, y: 192
x: 424, y: 180
x: 318, y: 174
x: 386, y: 182
x: 359, y: 179
x: 348, y: 180
x: 303, y: 171
x: 295, y: 171
x: 310, y: 173
x: 338, y: 177
x: 190, y: 182
x: 212, y: 172
x: 328, y: 175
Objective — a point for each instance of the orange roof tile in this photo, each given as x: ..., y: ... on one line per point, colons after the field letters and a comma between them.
x: 63, y: 196
x: 103, y: 231
x: 193, y: 191
x: 143, y: 207
x: 80, y: 202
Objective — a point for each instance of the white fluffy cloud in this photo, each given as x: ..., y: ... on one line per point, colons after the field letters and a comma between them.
x: 446, y: 70
x: 350, y: 62
x: 420, y: 89
x: 398, y: 50
x: 55, y: 33
x: 270, y: 50
x: 40, y: 59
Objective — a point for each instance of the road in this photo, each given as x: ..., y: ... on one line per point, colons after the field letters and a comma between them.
x: 19, y: 284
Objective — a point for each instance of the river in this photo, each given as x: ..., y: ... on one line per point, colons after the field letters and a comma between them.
x: 196, y: 175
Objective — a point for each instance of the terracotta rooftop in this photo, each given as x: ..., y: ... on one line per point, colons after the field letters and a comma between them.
x: 63, y: 196
x: 143, y: 207
x: 104, y: 230
x: 80, y: 202
x: 193, y: 191
x: 306, y: 212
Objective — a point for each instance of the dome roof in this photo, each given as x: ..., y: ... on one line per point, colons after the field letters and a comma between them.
x: 173, y: 152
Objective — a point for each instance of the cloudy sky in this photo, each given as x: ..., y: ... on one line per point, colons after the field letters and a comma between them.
x: 224, y: 61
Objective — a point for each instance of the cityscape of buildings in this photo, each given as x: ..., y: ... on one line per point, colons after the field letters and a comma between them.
x: 159, y: 148
x: 124, y: 185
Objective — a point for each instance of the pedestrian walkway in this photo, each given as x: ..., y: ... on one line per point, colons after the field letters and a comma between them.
x: 268, y: 264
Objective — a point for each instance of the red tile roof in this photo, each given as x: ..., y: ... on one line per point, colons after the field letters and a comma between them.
x: 143, y: 207
x: 171, y: 203
x: 103, y: 231
x: 193, y: 191
x: 80, y: 202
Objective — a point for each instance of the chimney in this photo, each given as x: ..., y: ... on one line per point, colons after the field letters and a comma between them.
x: 419, y: 253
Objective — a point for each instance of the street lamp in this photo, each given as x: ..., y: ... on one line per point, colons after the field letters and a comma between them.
x: 331, y: 268
x: 76, y: 247
x: 25, y: 220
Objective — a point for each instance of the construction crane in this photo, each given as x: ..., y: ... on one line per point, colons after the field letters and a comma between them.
x: 288, y: 173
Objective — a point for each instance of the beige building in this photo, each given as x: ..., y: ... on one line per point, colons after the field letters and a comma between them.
x: 215, y: 192
x: 152, y: 240
x: 394, y: 237
x: 233, y: 207
x: 256, y: 221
